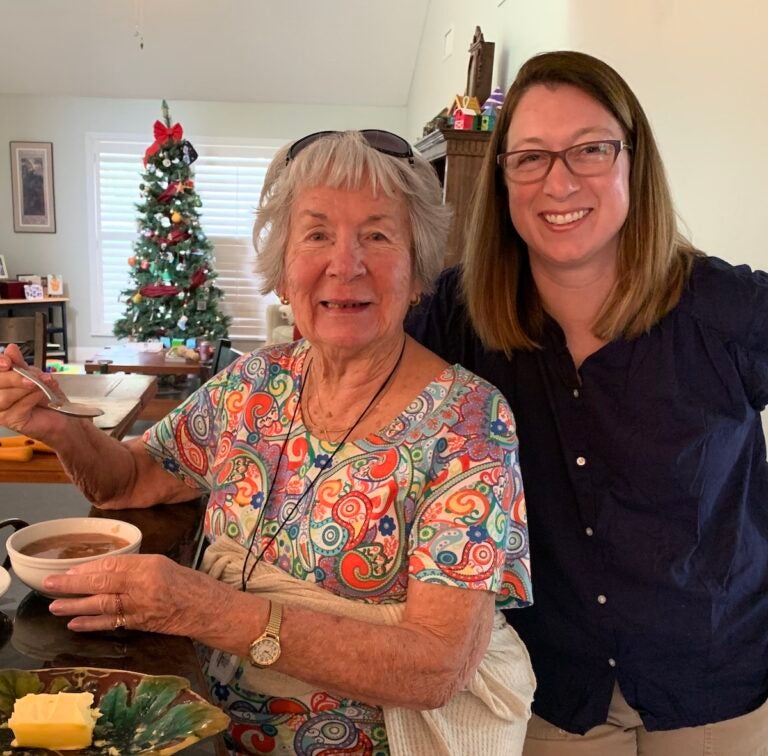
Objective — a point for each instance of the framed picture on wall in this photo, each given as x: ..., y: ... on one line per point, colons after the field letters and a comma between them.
x: 3, y: 268
x: 32, y: 187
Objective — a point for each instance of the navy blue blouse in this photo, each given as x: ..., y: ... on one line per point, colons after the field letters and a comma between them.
x: 647, y: 490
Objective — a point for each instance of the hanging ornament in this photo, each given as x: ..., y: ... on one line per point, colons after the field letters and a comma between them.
x: 144, y: 264
x: 182, y: 322
x: 180, y: 266
x: 198, y: 277
x: 151, y: 169
x: 188, y: 153
x: 181, y: 295
x: 154, y: 291
x: 169, y: 256
x: 165, y: 222
x: 166, y: 277
x: 159, y: 173
x: 136, y: 298
x: 176, y: 217
x: 131, y: 261
x: 167, y: 163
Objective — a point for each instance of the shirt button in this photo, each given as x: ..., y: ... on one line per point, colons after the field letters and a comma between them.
x: 612, y: 662
x: 576, y: 393
x: 581, y: 461
x: 601, y: 599
x: 589, y: 531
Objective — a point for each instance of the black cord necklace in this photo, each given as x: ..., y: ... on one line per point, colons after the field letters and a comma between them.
x: 245, y: 578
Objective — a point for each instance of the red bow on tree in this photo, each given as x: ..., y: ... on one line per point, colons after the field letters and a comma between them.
x: 199, y: 277
x: 163, y: 134
x: 174, y: 188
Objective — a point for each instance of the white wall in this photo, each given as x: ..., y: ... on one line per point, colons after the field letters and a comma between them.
x: 65, y: 121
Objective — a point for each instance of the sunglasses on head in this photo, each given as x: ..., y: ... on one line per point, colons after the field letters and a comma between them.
x: 381, y: 141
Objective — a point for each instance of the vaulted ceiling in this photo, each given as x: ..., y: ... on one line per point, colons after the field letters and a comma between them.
x: 345, y: 52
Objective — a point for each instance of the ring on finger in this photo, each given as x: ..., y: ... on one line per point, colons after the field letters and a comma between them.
x: 119, y: 613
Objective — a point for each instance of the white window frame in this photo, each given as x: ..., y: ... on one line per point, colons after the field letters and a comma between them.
x: 134, y: 143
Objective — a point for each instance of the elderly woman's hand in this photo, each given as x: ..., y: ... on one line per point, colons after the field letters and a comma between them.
x: 151, y: 592
x: 22, y: 404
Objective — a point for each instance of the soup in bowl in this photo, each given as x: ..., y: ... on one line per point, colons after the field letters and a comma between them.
x: 55, y: 546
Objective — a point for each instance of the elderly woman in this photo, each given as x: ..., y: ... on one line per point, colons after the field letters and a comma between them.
x: 365, y: 503
x: 636, y: 368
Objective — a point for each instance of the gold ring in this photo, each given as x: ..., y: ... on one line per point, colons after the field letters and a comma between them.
x: 119, y: 614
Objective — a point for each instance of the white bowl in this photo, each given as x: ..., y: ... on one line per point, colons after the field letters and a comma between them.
x: 32, y: 570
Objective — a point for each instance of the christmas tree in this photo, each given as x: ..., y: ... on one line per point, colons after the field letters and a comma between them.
x: 172, y: 291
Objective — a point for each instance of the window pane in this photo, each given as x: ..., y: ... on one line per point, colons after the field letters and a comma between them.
x: 228, y: 178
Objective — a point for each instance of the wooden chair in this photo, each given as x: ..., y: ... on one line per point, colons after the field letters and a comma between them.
x: 223, y: 356
x: 30, y: 333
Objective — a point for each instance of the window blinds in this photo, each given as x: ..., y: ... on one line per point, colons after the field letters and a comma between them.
x: 228, y: 178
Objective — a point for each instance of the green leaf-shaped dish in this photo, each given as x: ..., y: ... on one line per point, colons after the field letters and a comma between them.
x: 139, y: 713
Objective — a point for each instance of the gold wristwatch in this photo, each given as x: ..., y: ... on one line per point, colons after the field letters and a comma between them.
x: 265, y: 650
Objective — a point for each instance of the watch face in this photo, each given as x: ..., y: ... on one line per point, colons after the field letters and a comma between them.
x: 265, y: 651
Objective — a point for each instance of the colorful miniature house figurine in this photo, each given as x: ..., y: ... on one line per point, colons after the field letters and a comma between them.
x: 488, y: 118
x: 496, y: 98
x: 491, y: 109
x: 466, y: 113
x: 465, y: 119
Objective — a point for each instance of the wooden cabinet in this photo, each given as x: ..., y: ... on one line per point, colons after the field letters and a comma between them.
x: 56, y: 309
x: 457, y: 157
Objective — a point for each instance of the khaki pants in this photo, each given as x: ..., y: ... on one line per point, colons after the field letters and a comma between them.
x: 623, y: 734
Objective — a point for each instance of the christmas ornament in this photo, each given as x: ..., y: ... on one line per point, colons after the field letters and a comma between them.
x: 167, y: 163
x: 144, y: 264
x: 131, y: 261
x: 153, y: 291
x: 188, y: 154
x: 176, y: 217
x: 198, y: 278
x: 177, y: 235
x: 136, y: 298
x: 182, y: 322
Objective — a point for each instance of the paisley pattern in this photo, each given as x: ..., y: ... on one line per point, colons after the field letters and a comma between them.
x: 435, y: 496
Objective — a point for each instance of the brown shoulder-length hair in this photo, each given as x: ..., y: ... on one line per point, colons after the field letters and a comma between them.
x: 654, y: 260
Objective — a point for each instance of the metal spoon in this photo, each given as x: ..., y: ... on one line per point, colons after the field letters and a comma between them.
x: 60, y: 405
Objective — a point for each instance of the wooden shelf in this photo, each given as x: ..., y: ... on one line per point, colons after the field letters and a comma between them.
x: 457, y: 157
x: 57, y: 326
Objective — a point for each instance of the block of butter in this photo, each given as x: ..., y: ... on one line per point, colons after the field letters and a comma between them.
x: 60, y: 721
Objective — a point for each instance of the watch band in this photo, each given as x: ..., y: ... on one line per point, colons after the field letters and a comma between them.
x: 275, y: 619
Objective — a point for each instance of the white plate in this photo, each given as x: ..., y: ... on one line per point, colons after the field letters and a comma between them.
x: 5, y: 580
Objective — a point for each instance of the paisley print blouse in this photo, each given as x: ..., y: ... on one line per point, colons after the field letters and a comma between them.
x: 434, y: 496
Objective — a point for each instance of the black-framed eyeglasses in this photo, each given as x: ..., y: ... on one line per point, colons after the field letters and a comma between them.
x: 380, y: 140
x: 584, y: 159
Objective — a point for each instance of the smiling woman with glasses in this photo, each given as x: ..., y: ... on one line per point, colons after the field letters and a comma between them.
x: 637, y: 368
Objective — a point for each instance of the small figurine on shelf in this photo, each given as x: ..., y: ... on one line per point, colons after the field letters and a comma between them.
x: 440, y: 121
x: 491, y: 109
x: 465, y: 112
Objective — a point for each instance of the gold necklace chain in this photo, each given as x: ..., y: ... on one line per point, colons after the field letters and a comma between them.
x: 335, y: 431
